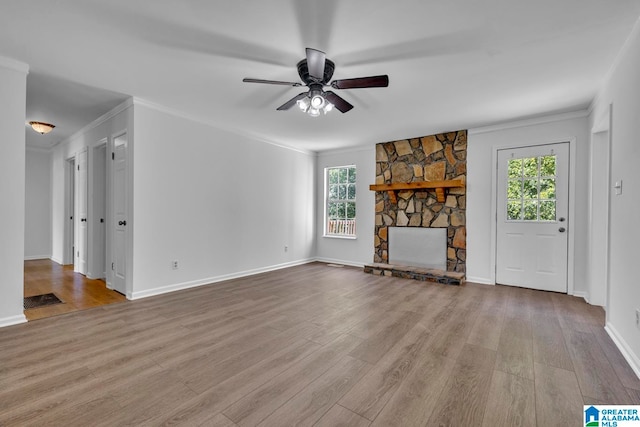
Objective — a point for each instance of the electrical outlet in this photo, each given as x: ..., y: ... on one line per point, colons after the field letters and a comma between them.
x: 174, y: 264
x: 286, y: 248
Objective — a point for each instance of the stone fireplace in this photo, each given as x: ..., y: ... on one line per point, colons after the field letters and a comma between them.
x: 417, y: 162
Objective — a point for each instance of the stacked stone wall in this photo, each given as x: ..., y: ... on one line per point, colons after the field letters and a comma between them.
x: 430, y: 158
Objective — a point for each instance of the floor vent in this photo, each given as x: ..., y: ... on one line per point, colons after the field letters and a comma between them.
x: 41, y: 301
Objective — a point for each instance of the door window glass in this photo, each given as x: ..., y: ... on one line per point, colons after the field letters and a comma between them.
x: 531, y: 189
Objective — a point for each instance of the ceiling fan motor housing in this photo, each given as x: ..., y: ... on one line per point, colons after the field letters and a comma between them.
x: 303, y: 72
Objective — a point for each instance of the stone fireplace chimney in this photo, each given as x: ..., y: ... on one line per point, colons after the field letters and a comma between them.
x: 439, y: 157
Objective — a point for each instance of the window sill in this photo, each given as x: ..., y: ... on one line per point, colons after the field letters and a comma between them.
x: 338, y: 236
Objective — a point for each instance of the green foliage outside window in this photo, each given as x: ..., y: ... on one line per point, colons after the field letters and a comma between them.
x: 531, y: 189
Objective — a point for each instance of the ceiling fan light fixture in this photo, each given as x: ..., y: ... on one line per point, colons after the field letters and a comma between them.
x: 41, y: 127
x: 314, y: 104
x: 304, y: 104
x: 317, y: 101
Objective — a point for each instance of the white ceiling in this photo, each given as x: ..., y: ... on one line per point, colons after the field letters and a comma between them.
x: 452, y: 64
x: 68, y: 105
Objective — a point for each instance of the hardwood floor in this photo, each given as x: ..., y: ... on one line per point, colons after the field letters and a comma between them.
x: 44, y: 276
x: 316, y: 345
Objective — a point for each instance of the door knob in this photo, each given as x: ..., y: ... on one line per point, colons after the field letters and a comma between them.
x: 562, y: 229
x: 122, y: 222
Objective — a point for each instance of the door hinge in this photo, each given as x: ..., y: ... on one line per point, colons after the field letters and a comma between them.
x: 78, y: 167
x: 113, y: 156
x: 112, y: 266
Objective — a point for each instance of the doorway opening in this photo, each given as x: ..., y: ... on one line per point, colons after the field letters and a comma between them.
x: 80, y: 282
x: 598, y: 214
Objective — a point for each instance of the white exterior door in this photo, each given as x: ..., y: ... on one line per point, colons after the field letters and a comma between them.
x: 81, y: 213
x: 119, y: 226
x: 532, y: 217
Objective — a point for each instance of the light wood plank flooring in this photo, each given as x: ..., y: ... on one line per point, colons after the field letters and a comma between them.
x: 44, y: 276
x: 316, y: 345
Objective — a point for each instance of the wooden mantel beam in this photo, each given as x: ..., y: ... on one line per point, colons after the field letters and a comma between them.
x: 439, y: 187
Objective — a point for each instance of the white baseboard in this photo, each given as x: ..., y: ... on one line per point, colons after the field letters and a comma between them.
x: 211, y: 280
x: 480, y: 280
x: 624, y: 348
x: 583, y: 295
x: 339, y: 262
x: 35, y: 257
x: 12, y: 320
x: 56, y: 260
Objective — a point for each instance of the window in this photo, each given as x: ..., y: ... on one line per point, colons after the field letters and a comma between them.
x: 340, y: 195
x: 531, y: 190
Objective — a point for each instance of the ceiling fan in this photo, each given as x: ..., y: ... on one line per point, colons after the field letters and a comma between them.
x: 315, y: 72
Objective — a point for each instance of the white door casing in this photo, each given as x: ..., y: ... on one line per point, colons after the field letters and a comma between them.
x: 69, y: 254
x: 97, y: 211
x: 533, y: 217
x: 119, y: 216
x: 597, y: 270
x: 81, y: 213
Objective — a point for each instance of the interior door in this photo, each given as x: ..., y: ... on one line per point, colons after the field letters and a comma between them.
x: 81, y: 212
x: 119, y: 203
x: 532, y: 217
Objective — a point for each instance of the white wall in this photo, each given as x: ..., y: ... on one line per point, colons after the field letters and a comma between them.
x: 480, y: 192
x: 357, y: 251
x: 622, y: 91
x: 221, y: 204
x: 13, y: 84
x: 37, y: 233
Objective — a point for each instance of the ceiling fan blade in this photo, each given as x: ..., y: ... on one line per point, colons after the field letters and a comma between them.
x: 271, y: 82
x: 315, y: 63
x: 290, y: 103
x: 361, y: 82
x: 338, y: 102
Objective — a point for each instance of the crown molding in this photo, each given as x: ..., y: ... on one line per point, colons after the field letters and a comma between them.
x: 103, y: 118
x: 529, y: 122
x: 208, y: 122
x: 12, y: 64
x: 347, y: 150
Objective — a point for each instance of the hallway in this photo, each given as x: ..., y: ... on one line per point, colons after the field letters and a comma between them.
x: 75, y: 290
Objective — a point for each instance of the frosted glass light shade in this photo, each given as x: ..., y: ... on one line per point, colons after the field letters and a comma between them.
x: 41, y: 127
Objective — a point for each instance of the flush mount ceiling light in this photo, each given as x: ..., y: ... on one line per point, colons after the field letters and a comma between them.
x: 41, y: 127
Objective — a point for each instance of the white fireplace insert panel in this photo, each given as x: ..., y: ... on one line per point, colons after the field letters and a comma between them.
x: 418, y: 247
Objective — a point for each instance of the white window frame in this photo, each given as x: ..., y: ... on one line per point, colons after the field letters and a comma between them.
x: 349, y: 224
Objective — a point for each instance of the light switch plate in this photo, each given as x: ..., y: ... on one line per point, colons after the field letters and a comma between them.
x: 618, y: 187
